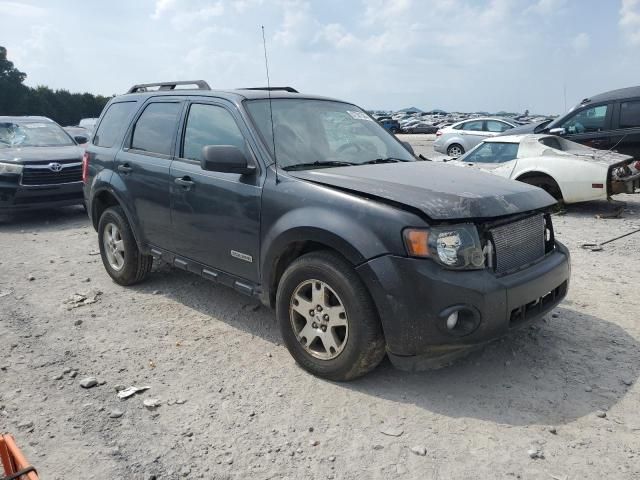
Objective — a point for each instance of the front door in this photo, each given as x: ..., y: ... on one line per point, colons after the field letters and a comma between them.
x: 589, y: 126
x: 215, y: 216
x: 143, y: 168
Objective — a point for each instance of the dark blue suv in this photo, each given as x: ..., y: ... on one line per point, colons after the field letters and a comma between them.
x: 311, y: 206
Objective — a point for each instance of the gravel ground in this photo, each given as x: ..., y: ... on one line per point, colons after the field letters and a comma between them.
x: 557, y: 400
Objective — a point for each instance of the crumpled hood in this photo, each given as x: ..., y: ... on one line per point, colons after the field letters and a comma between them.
x: 40, y: 154
x: 440, y: 191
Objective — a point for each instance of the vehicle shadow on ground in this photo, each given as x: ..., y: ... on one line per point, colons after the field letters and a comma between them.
x: 623, y: 207
x: 43, y: 220
x: 560, y: 369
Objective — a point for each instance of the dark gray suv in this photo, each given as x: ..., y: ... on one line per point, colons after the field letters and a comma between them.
x: 308, y: 204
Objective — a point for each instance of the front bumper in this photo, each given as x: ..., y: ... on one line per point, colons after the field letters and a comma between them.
x: 15, y: 197
x: 411, y: 295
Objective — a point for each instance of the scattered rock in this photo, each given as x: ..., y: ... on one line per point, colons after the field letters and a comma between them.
x: 128, y: 392
x: 181, y: 401
x: 116, y: 413
x: 73, y: 374
x: 419, y: 450
x: 553, y: 430
x: 554, y: 315
x: 26, y: 425
x: 119, y: 387
x: 78, y: 322
x: 391, y: 431
x: 627, y: 382
x: 81, y: 299
x: 601, y: 414
x: 87, y: 280
x: 378, y: 447
x: 151, y: 403
x: 588, y: 389
x: 89, y: 382
x: 314, y: 443
x: 31, y: 278
x: 535, y: 453
x: 332, y: 458
x: 58, y: 377
x: 156, y: 292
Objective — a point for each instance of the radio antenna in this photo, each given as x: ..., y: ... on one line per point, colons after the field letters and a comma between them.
x: 273, y: 132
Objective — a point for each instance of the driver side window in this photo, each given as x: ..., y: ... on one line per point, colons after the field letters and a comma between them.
x: 210, y: 125
x: 587, y: 120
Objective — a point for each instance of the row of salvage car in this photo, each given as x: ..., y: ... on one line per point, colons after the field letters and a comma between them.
x: 590, y: 153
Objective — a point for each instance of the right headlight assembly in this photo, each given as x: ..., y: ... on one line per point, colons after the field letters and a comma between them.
x: 453, y: 246
x: 10, y: 168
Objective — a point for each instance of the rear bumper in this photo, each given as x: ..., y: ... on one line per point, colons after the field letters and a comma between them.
x: 626, y: 185
x: 15, y: 197
x: 414, y: 297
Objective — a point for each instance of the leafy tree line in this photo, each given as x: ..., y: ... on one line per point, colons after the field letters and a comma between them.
x: 60, y: 105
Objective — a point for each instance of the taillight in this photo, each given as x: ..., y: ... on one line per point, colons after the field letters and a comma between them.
x: 438, y: 133
x: 85, y: 167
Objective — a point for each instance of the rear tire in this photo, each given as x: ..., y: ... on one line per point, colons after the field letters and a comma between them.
x: 548, y: 184
x: 121, y: 257
x: 344, y: 310
x: 455, y: 150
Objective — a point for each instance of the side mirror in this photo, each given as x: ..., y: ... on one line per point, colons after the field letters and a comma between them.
x: 80, y: 139
x: 226, y: 159
x: 408, y: 146
x: 557, y: 131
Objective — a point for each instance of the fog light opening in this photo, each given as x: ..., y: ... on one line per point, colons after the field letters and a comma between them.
x: 452, y: 320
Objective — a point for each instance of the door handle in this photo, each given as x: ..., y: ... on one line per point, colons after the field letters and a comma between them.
x: 185, y: 182
x: 125, y: 168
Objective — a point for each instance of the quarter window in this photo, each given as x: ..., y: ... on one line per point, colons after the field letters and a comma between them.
x: 210, y: 125
x: 155, y: 130
x: 493, y: 152
x: 587, y: 120
x: 630, y: 114
x: 113, y: 124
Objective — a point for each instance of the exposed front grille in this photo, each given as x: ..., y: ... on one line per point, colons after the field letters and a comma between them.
x: 46, y: 176
x: 518, y: 243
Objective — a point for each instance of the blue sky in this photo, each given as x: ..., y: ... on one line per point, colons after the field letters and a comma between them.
x: 463, y: 55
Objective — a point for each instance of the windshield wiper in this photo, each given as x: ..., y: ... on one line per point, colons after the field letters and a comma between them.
x: 384, y: 160
x: 332, y: 163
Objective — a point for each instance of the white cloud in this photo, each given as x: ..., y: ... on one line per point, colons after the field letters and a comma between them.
x: 161, y: 7
x: 547, y: 7
x: 15, y: 9
x: 630, y: 21
x: 581, y: 42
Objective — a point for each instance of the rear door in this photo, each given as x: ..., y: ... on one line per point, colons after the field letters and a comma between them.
x: 590, y: 126
x: 472, y: 133
x: 143, y: 167
x: 625, y: 135
x: 215, y: 215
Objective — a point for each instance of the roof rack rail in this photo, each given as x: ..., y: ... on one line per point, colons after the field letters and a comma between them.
x: 200, y: 84
x: 273, y: 89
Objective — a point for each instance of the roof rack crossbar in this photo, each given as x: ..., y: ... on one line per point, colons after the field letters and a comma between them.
x: 142, y: 87
x: 273, y: 89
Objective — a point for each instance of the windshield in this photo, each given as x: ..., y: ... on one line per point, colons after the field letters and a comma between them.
x: 313, y: 133
x: 32, y: 134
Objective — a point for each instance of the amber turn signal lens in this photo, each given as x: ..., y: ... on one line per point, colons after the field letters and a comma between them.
x: 417, y: 242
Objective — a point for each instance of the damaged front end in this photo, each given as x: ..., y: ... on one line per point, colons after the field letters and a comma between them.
x: 624, y: 178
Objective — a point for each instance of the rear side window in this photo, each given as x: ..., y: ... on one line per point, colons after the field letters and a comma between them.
x: 475, y: 126
x: 496, y: 126
x: 113, y: 124
x: 155, y: 130
x: 210, y: 125
x: 630, y: 114
x: 552, y: 142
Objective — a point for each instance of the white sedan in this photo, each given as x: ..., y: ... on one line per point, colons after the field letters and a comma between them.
x: 567, y: 170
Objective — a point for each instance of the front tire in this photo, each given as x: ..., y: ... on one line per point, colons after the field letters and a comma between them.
x: 327, y: 318
x: 118, y: 248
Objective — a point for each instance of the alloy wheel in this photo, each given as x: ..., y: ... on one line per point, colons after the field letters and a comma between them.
x: 113, y: 246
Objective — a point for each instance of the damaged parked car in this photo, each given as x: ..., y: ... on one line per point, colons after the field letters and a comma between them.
x: 310, y: 205
x: 40, y: 165
x: 569, y: 171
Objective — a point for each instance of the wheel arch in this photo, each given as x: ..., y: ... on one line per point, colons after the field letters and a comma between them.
x: 541, y: 174
x: 105, y: 198
x: 296, y: 242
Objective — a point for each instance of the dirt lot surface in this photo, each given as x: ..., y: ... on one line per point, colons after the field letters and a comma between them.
x: 233, y: 405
